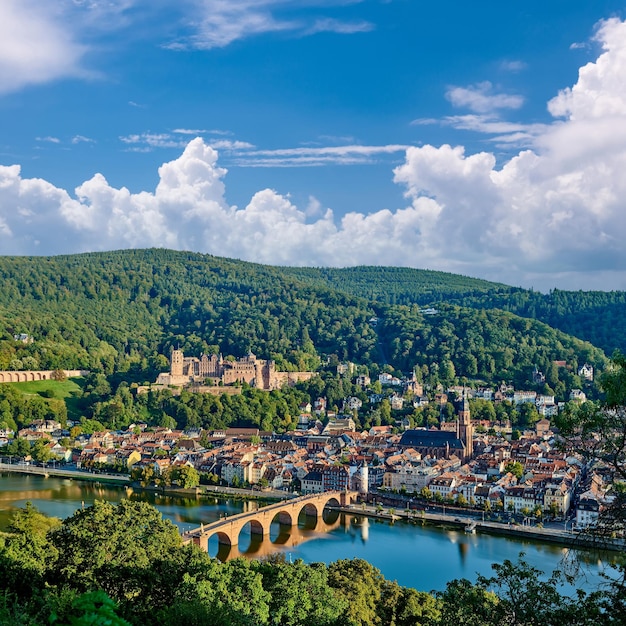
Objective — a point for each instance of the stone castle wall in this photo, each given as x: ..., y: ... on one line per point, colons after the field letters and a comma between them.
x: 30, y: 375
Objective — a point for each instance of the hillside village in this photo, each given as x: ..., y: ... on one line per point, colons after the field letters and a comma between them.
x: 463, y: 461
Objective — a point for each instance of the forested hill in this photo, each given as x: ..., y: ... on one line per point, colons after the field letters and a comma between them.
x: 595, y: 316
x: 115, y: 310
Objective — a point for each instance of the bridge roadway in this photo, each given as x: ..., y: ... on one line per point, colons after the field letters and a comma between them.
x: 286, y: 513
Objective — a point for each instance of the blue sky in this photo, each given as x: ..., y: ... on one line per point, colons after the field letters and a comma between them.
x: 484, y: 138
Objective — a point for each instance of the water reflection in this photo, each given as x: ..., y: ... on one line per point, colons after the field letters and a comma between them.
x: 282, y: 538
x: 421, y: 557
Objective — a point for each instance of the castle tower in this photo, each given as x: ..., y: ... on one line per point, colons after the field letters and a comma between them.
x: 464, y: 428
x: 176, y: 363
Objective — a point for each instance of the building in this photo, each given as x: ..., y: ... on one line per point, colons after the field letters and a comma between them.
x: 259, y: 373
x: 442, y: 444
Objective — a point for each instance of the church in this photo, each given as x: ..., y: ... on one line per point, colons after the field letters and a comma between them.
x: 442, y: 444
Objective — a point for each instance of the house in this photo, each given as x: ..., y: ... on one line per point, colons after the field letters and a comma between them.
x: 542, y: 427
x: 586, y: 372
x: 519, y: 397
x: 319, y: 406
x: 363, y: 380
x: 443, y: 485
x: 523, y: 498
x: 397, y: 402
x: 338, y: 426
x: 353, y: 403
x: 577, y: 395
x: 588, y: 510
x: 312, y: 483
x: 409, y: 477
x: 345, y: 368
x: 336, y: 478
x: 385, y: 378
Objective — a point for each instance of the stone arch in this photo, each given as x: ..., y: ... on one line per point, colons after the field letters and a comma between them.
x: 332, y: 501
x: 222, y: 537
x: 283, y: 517
x: 44, y: 376
x: 37, y: 375
x: 1, y: 377
x: 22, y: 377
x: 30, y: 375
x: 309, y: 515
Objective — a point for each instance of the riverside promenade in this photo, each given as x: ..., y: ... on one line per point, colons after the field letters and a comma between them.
x: 473, y: 524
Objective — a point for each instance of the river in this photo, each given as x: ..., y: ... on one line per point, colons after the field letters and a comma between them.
x: 424, y: 558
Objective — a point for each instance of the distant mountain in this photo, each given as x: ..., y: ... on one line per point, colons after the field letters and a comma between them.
x: 116, y: 310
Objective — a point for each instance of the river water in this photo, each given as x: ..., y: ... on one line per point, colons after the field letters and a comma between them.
x: 424, y: 558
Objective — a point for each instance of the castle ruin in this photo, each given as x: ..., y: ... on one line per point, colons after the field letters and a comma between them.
x: 259, y: 373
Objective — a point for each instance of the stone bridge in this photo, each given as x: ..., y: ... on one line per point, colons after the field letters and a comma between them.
x: 286, y: 513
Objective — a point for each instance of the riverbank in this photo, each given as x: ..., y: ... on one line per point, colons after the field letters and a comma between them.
x: 390, y: 514
x: 123, y: 480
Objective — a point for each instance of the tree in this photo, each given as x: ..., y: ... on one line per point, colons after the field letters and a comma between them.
x: 403, y: 606
x: 186, y: 476
x: 58, y: 375
x: 598, y: 433
x: 515, y: 468
x: 26, y: 554
x: 40, y: 451
x: 90, y: 609
x: 229, y: 594
x: 113, y: 548
x: 518, y: 596
x: 359, y: 584
x: 299, y: 593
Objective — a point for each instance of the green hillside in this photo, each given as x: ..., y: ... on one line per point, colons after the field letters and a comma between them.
x: 595, y: 316
x: 114, y: 311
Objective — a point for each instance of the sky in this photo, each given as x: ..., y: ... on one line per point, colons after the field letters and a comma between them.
x: 486, y: 138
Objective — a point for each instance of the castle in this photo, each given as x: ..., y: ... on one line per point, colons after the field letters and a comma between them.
x: 259, y: 373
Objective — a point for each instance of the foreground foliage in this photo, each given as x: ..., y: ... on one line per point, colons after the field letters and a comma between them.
x: 125, y: 565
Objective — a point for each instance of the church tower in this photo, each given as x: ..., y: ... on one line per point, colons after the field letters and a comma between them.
x: 465, y: 430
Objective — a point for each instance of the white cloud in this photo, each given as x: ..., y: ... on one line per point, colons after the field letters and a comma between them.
x: 316, y: 156
x: 228, y: 145
x: 189, y: 131
x: 329, y: 25
x: 481, y: 98
x: 82, y: 139
x: 550, y: 216
x: 513, y: 66
x: 600, y: 91
x: 48, y: 139
x: 218, y: 23
x: 148, y: 141
x: 35, y: 45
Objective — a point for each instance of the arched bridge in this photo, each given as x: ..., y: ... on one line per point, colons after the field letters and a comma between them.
x: 286, y: 513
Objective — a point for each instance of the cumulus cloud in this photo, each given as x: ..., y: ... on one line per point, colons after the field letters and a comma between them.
x: 550, y: 216
x: 35, y: 46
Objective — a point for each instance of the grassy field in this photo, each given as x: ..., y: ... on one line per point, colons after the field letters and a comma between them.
x: 69, y: 390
